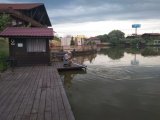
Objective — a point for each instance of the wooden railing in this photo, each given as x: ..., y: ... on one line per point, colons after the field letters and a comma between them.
x: 76, y: 48
x: 57, y: 53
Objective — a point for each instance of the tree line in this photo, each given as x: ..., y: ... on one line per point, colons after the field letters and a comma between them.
x: 117, y: 37
x: 113, y: 37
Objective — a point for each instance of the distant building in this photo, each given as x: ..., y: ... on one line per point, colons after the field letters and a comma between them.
x: 79, y: 40
x: 133, y: 36
x: 66, y: 41
x: 93, y: 40
x: 152, y: 38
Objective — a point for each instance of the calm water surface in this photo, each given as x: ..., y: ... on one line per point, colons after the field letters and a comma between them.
x: 119, y: 84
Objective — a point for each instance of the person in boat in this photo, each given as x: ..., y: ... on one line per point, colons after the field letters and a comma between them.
x: 68, y: 59
x: 73, y: 53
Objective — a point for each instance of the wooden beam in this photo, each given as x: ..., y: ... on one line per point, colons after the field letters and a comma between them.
x: 41, y: 17
x: 34, y: 12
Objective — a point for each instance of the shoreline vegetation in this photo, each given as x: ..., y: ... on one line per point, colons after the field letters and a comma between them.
x: 4, y: 53
x: 4, y: 47
x: 117, y: 38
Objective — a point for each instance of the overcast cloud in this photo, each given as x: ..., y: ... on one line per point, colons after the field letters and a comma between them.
x: 69, y: 11
x: 98, y: 10
x: 83, y: 11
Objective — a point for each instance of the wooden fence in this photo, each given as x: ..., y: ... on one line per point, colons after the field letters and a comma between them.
x: 71, y: 48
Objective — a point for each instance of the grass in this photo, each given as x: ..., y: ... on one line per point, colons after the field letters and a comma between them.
x: 4, y: 52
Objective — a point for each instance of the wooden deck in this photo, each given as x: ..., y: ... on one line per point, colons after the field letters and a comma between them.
x: 33, y: 93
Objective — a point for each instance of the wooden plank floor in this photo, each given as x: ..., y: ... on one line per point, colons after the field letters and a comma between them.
x: 33, y: 93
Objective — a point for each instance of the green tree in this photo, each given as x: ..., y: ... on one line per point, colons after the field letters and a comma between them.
x: 135, y: 41
x: 116, y: 37
x: 104, y: 38
x: 72, y: 42
x: 4, y: 21
x: 57, y: 38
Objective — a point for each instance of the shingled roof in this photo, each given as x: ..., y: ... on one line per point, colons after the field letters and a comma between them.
x: 27, y: 32
x: 152, y: 34
x: 20, y: 6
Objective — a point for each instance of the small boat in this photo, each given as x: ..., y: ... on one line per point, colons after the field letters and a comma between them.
x: 73, y: 66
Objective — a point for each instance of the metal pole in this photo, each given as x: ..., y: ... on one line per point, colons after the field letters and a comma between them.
x: 135, y: 31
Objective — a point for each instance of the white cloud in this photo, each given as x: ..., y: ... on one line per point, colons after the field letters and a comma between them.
x: 104, y: 27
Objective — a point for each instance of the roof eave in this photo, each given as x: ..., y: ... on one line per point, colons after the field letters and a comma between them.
x: 10, y: 36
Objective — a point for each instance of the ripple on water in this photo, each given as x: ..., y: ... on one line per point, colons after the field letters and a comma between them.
x: 106, y: 92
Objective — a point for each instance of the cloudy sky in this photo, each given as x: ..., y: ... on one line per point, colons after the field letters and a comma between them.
x: 95, y: 17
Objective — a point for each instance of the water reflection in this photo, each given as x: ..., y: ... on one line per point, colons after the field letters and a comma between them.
x: 118, y: 52
x: 115, y: 89
x: 121, y: 56
x: 68, y: 77
x: 113, y: 53
x: 83, y: 58
x: 135, y: 61
x: 151, y: 51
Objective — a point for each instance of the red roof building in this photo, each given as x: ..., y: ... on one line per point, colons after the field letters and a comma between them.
x: 27, y: 32
x: 29, y: 40
x: 28, y: 46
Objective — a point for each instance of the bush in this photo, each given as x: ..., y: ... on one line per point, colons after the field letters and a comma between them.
x: 4, y: 21
x: 4, y: 52
x: 3, y: 62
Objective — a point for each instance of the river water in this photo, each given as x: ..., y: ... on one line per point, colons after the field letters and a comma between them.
x: 119, y: 84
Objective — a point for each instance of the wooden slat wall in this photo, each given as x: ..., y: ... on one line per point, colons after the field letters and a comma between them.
x: 23, y: 57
